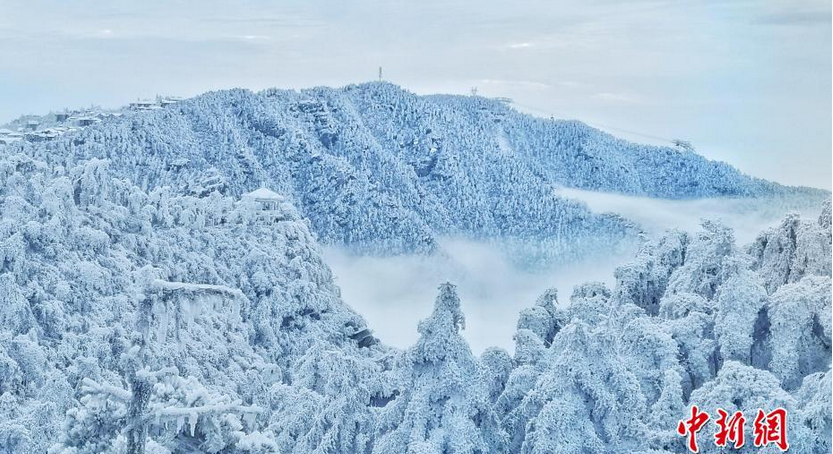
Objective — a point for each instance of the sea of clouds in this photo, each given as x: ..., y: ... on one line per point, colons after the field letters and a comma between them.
x: 394, y: 293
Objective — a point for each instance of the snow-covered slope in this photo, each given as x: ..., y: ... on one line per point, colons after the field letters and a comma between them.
x: 147, y: 306
x: 376, y: 168
x: 210, y: 303
x: 150, y: 322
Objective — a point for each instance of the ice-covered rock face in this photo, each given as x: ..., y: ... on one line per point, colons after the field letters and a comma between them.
x: 378, y: 169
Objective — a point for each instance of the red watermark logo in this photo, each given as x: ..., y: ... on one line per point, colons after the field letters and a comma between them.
x: 768, y: 428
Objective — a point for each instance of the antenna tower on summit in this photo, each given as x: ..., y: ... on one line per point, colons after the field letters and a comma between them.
x: 380, y: 74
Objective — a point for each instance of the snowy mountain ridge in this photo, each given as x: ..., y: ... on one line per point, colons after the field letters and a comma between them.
x: 378, y: 169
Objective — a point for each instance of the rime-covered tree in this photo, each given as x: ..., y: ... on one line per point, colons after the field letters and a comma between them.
x: 800, y: 322
x: 739, y: 387
x: 159, y: 412
x: 792, y: 250
x: 581, y: 402
x: 643, y: 281
x: 703, y: 269
x: 812, y: 420
x: 443, y: 408
x: 740, y: 300
x: 327, y: 409
x: 544, y: 319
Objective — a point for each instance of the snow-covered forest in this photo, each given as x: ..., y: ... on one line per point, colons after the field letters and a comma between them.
x: 149, y: 303
x: 378, y: 169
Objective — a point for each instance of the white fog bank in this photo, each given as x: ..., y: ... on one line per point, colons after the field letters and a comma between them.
x: 394, y: 293
x: 747, y: 217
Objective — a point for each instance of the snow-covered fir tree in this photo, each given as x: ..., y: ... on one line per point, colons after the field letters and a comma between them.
x: 442, y: 407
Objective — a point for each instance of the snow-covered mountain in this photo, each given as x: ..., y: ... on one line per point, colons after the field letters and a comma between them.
x: 150, y: 303
x: 378, y: 169
x: 150, y: 322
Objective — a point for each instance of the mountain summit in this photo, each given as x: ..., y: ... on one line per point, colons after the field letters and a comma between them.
x: 379, y: 169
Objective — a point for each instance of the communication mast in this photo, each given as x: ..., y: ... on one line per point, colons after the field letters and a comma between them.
x: 380, y: 74
x: 474, y: 91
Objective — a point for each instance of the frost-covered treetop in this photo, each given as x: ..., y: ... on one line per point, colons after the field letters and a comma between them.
x: 441, y: 330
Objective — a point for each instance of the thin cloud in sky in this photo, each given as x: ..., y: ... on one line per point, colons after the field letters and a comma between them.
x: 521, y: 83
x: 520, y: 45
x: 747, y: 81
x: 616, y: 97
x: 795, y: 18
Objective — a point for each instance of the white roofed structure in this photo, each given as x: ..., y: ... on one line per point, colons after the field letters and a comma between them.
x: 263, y: 194
x: 144, y: 104
x: 168, y: 100
x: 267, y: 199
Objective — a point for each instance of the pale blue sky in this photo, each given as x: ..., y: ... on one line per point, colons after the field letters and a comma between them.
x: 748, y: 82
